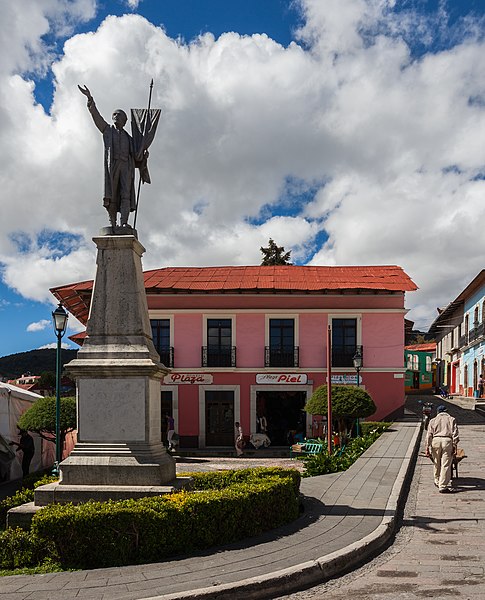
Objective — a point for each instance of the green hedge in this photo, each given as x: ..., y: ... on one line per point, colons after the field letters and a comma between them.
x: 217, y: 480
x: 106, y: 534
x: 20, y: 549
x: 24, y: 495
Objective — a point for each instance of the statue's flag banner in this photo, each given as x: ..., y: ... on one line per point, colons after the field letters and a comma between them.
x: 144, y: 123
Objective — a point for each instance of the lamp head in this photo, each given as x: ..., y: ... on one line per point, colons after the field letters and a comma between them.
x: 357, y: 359
x: 59, y: 318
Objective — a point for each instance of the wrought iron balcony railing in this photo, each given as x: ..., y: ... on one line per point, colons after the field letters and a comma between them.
x: 281, y: 356
x: 218, y: 356
x: 166, y: 356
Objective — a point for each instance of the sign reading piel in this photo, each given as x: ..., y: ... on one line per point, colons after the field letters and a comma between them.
x: 187, y: 378
x: 281, y: 378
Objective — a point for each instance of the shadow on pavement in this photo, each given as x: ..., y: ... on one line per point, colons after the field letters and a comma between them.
x: 343, y: 510
x: 427, y: 523
x: 475, y: 483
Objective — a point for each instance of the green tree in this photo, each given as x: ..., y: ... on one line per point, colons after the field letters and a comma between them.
x: 47, y: 380
x: 347, y: 401
x: 274, y: 255
x: 41, y: 418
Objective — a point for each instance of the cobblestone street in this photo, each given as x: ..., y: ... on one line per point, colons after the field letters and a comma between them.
x: 439, y: 552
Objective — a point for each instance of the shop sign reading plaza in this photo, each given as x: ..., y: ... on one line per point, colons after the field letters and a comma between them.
x: 187, y: 378
x: 281, y: 378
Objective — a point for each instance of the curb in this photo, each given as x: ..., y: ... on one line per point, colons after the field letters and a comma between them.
x: 316, y: 571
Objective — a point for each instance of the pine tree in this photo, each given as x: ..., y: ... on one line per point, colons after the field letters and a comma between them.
x: 274, y: 255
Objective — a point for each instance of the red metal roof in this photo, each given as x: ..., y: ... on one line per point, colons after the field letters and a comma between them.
x: 429, y: 347
x: 290, y: 278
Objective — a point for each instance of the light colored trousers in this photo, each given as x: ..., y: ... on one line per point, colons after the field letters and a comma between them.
x: 169, y: 438
x: 442, y: 453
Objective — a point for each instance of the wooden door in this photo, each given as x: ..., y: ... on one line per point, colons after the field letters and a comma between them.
x: 219, y: 418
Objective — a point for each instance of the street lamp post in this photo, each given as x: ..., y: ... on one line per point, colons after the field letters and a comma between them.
x: 59, y: 318
x: 358, y: 366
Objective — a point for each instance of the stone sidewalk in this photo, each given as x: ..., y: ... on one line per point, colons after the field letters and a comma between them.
x: 439, y: 551
x: 348, y: 517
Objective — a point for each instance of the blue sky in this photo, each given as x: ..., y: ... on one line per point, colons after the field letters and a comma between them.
x: 350, y: 131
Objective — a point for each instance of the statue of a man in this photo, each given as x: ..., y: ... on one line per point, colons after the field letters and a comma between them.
x: 119, y: 163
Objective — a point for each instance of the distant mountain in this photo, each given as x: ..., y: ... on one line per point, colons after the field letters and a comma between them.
x: 34, y: 362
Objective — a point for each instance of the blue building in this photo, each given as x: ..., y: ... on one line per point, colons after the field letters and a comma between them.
x: 473, y: 357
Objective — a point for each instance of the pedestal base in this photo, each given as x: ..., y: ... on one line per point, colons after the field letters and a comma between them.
x: 56, y: 493
x: 118, y: 464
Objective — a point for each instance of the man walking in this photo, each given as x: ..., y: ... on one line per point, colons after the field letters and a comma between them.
x: 441, y: 441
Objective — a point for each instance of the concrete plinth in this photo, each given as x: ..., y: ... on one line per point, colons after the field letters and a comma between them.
x: 55, y: 493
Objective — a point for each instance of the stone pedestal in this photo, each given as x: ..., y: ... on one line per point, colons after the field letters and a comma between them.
x: 118, y: 375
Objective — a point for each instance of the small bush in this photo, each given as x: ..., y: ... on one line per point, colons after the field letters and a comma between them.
x: 347, y: 401
x: 38, y: 478
x: 324, y: 463
x: 24, y: 495
x: 367, y: 427
x: 20, y: 548
x: 20, y: 497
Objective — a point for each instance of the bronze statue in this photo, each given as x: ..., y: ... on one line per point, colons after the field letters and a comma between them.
x: 122, y: 154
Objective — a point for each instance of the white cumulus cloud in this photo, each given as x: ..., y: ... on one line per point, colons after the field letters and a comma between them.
x: 38, y: 325
x: 387, y: 146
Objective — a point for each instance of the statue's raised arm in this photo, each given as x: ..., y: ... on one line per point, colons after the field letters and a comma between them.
x: 85, y: 90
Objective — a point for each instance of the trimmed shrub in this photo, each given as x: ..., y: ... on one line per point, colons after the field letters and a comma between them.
x: 347, y: 401
x: 106, y: 534
x: 20, y: 548
x: 24, y: 495
x: 38, y: 478
x: 20, y: 497
x: 41, y: 418
x: 217, y: 480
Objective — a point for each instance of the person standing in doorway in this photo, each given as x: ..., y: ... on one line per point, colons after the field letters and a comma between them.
x: 238, y: 439
x: 480, y: 385
x: 170, y: 430
x: 262, y: 424
x: 441, y: 441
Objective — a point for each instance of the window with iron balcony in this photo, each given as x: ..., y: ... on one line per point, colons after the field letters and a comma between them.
x: 161, y: 340
x: 281, y: 351
x: 344, y: 342
x: 219, y: 351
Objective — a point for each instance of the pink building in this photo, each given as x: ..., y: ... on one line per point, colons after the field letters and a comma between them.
x: 250, y: 342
